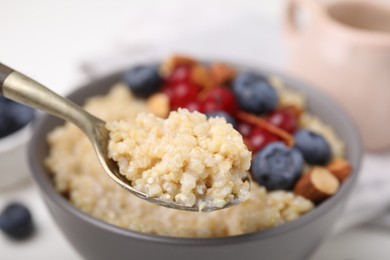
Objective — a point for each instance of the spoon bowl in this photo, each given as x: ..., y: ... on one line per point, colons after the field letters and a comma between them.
x: 22, y: 89
x: 99, y: 140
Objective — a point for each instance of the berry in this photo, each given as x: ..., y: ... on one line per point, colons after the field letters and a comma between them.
x: 284, y: 119
x: 254, y: 94
x: 179, y: 75
x: 16, y: 221
x: 220, y: 99
x: 244, y: 129
x: 195, y: 106
x: 210, y: 107
x: 223, y: 114
x: 143, y: 80
x: 13, y: 116
x: 6, y: 122
x: 259, y: 138
x: 314, y: 148
x: 168, y: 90
x: 20, y: 113
x: 182, y: 94
x: 277, y: 166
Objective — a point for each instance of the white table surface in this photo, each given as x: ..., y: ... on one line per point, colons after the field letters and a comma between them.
x: 48, y: 40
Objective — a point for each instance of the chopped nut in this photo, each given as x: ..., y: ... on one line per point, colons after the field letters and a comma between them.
x: 202, y: 77
x: 173, y: 62
x: 222, y: 73
x: 297, y: 111
x: 158, y: 104
x: 317, y: 185
x: 340, y: 168
x: 287, y: 96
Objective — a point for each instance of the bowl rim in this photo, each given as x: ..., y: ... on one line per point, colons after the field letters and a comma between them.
x: 49, y: 192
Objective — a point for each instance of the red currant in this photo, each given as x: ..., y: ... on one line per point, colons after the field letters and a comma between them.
x: 182, y: 94
x: 195, y: 106
x: 167, y: 90
x: 284, y: 119
x: 210, y: 107
x: 179, y: 75
x: 244, y: 129
x: 259, y: 138
x: 220, y: 99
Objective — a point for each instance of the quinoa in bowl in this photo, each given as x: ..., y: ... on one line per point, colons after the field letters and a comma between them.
x: 271, y: 202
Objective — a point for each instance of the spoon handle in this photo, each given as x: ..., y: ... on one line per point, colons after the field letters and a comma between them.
x: 22, y: 89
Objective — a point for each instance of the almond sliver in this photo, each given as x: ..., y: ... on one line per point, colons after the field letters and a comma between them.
x: 260, y: 122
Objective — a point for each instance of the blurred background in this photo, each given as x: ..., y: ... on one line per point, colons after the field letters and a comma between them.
x: 64, y: 44
x: 47, y: 39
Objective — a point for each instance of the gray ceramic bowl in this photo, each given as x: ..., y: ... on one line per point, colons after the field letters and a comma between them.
x: 296, y: 240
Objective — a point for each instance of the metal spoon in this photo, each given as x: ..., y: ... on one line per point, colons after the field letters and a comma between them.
x: 22, y: 89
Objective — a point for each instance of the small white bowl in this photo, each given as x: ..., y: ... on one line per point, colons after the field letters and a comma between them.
x: 14, y: 167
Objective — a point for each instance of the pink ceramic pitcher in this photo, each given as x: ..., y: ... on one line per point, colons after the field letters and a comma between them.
x: 344, y: 49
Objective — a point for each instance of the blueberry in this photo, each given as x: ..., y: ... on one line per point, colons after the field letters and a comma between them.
x: 6, y: 123
x: 254, y: 94
x: 13, y: 116
x: 20, y: 113
x: 143, y: 80
x: 277, y: 166
x: 314, y: 148
x: 223, y: 114
x: 3, y: 100
x: 16, y: 221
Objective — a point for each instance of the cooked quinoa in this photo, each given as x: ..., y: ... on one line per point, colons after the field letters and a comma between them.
x: 186, y: 159
x: 78, y: 174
